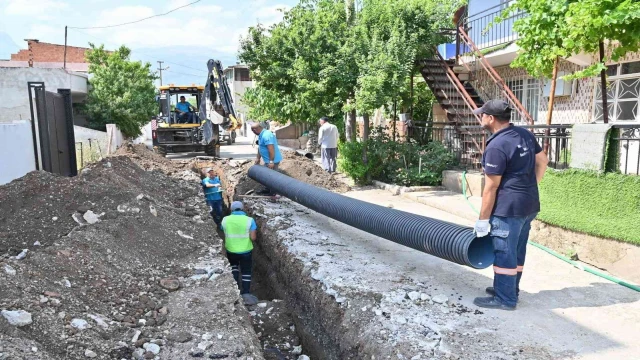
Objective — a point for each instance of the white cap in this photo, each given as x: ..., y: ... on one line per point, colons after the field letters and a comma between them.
x: 208, y: 170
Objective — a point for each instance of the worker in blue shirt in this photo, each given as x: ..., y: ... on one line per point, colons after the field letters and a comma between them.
x: 513, y: 164
x: 183, y: 111
x: 268, y: 150
x: 213, y: 195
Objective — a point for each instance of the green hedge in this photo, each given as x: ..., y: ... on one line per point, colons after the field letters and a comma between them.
x: 605, y: 205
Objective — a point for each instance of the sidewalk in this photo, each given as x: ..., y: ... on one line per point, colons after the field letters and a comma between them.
x: 448, y: 201
x: 569, y: 312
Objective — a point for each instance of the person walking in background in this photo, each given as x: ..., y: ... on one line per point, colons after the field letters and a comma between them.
x: 328, y: 140
x: 513, y: 164
x: 213, y: 195
x: 240, y: 231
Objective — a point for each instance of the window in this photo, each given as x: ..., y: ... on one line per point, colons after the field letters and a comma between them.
x: 242, y: 75
x: 528, y: 93
x: 623, y: 93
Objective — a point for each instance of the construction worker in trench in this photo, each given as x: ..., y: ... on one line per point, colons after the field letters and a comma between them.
x: 213, y: 195
x: 240, y: 231
x: 513, y: 164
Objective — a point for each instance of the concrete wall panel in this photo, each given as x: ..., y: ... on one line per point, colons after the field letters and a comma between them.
x: 16, y: 150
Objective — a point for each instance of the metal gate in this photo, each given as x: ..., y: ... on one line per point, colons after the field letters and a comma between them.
x: 52, y: 127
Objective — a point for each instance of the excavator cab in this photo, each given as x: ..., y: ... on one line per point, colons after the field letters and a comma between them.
x: 169, y: 98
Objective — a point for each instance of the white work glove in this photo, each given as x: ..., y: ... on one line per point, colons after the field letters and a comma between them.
x: 482, y: 228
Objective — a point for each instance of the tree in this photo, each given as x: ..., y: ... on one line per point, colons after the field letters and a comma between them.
x: 300, y: 71
x: 122, y: 91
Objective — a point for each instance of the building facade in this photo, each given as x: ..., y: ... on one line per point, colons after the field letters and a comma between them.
x: 239, y: 80
x: 577, y: 101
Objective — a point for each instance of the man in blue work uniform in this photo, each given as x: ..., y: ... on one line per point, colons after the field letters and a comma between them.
x: 183, y: 109
x: 240, y: 231
x: 513, y: 164
x: 268, y: 150
x: 213, y: 195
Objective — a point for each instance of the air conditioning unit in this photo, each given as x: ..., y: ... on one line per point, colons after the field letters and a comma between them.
x: 563, y: 88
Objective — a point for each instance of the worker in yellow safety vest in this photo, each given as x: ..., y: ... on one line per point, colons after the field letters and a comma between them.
x: 240, y: 231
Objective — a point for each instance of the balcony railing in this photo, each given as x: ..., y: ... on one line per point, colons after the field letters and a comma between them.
x: 485, y: 31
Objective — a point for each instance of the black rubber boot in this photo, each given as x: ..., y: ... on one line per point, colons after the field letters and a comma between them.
x: 491, y: 303
x: 492, y: 292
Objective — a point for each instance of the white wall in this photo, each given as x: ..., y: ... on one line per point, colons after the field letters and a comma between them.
x: 238, y: 88
x: 16, y: 150
x: 93, y: 144
x: 14, y: 90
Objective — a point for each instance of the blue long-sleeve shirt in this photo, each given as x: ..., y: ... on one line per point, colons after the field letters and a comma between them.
x: 212, y: 193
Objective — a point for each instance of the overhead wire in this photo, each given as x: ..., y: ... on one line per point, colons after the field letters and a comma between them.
x: 136, y: 21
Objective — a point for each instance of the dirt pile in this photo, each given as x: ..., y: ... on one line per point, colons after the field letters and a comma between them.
x: 116, y: 263
x: 298, y: 167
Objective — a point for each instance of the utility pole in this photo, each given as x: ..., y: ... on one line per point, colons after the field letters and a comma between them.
x: 65, y: 48
x: 160, y: 70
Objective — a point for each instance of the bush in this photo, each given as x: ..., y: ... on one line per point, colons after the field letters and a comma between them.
x: 395, y: 162
x: 605, y: 205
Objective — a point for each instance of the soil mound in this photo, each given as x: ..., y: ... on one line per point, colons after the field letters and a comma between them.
x: 105, y: 251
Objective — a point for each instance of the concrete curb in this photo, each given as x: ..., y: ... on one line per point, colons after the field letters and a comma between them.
x: 398, y: 190
x: 465, y: 213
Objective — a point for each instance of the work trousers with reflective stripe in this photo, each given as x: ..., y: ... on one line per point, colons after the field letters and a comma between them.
x: 241, y: 264
x: 510, y: 236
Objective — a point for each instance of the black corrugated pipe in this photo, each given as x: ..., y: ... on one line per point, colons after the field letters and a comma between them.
x: 448, y: 241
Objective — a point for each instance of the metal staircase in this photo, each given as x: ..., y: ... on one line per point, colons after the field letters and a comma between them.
x: 459, y: 89
x: 458, y: 99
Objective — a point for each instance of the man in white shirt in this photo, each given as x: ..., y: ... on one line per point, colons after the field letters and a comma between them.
x: 328, y: 140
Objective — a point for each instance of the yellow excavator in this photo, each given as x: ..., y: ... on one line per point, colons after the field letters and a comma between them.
x: 212, y: 119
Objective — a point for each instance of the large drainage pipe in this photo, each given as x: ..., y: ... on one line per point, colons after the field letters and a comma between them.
x: 439, y: 238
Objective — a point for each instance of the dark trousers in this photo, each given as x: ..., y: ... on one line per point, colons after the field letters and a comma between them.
x: 185, y: 118
x: 216, y: 210
x: 329, y: 156
x: 241, y: 264
x: 510, y: 236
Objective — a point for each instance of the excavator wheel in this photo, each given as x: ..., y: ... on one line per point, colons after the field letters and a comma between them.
x: 160, y: 151
x: 212, y: 149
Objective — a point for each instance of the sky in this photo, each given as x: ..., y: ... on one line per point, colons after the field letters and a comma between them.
x: 184, y: 39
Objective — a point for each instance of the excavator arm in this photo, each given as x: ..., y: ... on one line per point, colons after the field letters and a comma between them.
x: 217, y: 103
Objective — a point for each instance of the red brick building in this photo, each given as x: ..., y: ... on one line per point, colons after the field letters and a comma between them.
x: 46, y: 52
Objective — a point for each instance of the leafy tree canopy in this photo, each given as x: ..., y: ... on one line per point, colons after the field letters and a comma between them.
x: 122, y: 91
x: 313, y: 61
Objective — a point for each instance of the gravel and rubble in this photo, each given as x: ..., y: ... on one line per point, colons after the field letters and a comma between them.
x: 355, y: 307
x: 109, y: 265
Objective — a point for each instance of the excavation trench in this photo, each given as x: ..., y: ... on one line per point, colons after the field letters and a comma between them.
x: 295, y: 316
x: 299, y: 302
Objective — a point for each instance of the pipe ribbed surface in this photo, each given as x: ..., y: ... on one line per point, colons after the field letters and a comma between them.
x: 439, y: 238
